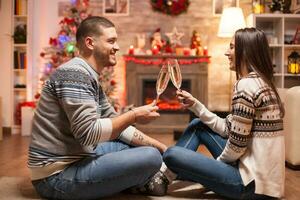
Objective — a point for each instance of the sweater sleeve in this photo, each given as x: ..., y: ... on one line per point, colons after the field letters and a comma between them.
x: 213, y: 121
x: 76, y: 94
x: 107, y: 110
x: 243, y: 111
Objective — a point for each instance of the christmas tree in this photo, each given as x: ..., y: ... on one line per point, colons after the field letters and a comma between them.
x: 63, y: 48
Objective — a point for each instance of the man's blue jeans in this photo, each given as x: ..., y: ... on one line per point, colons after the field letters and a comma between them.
x: 116, y: 167
x: 224, y: 179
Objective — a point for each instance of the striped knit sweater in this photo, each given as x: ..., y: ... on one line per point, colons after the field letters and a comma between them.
x: 254, y: 132
x: 72, y: 117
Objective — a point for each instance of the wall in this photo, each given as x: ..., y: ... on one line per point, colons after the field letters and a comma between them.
x: 5, y: 62
x: 142, y: 19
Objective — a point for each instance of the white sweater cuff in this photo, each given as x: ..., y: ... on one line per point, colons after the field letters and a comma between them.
x: 106, y: 129
x: 127, y: 135
x: 196, y: 107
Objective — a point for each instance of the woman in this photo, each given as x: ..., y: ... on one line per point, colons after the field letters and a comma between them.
x: 247, y: 146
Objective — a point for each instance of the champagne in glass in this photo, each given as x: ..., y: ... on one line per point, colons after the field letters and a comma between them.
x: 162, y: 81
x: 175, y: 73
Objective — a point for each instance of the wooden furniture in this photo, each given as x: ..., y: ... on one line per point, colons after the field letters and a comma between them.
x: 21, y: 56
x: 291, y: 100
x: 280, y: 30
x: 1, y: 132
x: 141, y: 68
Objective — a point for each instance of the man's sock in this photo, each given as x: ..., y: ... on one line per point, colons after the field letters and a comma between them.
x: 168, y: 173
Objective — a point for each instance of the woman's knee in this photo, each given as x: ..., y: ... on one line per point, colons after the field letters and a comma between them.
x: 171, y: 155
x: 196, y: 123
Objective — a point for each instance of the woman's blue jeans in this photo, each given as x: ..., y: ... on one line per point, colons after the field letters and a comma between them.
x: 116, y: 167
x: 224, y: 179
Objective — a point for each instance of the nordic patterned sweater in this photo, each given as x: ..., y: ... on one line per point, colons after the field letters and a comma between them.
x: 72, y: 117
x: 254, y: 132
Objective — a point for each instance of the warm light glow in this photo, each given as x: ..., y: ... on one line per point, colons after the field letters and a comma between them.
x: 232, y: 19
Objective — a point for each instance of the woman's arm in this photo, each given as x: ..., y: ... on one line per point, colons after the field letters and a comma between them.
x: 213, y: 121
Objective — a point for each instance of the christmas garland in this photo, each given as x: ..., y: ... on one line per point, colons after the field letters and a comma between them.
x: 170, y: 7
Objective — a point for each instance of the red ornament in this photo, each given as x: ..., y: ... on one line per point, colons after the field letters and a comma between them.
x: 37, y: 95
x: 112, y: 82
x: 158, y: 62
x: 53, y: 41
x: 42, y: 54
x: 170, y: 7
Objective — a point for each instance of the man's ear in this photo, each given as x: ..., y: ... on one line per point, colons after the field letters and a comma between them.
x: 89, y: 43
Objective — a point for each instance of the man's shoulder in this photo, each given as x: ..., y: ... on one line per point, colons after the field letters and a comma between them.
x: 73, y: 65
x: 71, y: 72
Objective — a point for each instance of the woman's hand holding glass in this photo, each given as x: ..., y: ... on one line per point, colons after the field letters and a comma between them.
x: 186, y: 99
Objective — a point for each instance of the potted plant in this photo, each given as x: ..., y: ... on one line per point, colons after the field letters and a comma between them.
x: 20, y: 34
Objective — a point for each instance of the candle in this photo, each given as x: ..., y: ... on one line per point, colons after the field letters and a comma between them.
x: 155, y: 50
x: 205, y: 51
x: 131, y: 50
x: 186, y: 51
x: 294, y: 68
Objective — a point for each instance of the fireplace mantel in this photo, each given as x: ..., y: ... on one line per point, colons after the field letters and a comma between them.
x: 146, y: 67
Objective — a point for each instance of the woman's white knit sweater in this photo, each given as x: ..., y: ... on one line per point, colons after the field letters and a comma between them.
x: 254, y: 132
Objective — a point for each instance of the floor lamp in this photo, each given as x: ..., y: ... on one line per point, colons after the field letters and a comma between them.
x: 232, y: 19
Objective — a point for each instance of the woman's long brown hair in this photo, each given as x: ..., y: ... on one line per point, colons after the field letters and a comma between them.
x: 252, y: 50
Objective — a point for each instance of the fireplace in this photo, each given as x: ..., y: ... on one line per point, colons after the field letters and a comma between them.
x: 141, y: 74
x: 167, y: 101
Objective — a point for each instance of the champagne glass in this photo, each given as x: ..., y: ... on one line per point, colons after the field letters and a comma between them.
x: 162, y: 81
x: 175, y: 73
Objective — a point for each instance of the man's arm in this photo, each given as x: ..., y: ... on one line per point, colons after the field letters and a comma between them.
x: 131, y: 135
x: 141, y: 139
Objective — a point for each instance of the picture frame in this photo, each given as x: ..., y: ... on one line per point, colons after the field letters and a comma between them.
x: 218, y: 5
x: 63, y: 8
x: 116, y: 7
x: 296, y: 38
x: 295, y: 7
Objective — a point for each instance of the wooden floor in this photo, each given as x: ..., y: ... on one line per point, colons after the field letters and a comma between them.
x: 13, y: 158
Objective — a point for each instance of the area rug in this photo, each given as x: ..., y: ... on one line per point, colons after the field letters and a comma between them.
x: 20, y: 188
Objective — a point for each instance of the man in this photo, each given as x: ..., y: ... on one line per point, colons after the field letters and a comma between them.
x: 80, y: 148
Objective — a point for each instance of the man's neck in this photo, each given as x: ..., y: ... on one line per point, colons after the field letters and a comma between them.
x: 91, y: 62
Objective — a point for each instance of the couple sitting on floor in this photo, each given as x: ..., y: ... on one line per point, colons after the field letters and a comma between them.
x: 82, y: 149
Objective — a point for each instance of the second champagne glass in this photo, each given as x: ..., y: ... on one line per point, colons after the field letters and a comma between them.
x: 162, y: 81
x: 175, y: 73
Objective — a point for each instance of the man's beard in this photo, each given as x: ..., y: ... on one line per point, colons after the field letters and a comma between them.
x: 102, y: 59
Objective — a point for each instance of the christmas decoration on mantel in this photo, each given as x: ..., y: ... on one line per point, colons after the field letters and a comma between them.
x: 168, y: 44
x: 175, y: 37
x: 170, y: 7
x: 159, y: 61
x: 62, y: 48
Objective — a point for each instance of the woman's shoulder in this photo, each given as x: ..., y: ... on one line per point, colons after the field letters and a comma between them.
x: 249, y: 84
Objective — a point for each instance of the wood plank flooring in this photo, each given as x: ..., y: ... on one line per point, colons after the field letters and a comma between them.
x: 13, y: 161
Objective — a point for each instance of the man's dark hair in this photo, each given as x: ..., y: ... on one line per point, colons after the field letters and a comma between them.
x: 91, y: 26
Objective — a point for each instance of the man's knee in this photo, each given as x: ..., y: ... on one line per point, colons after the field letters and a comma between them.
x: 150, y: 157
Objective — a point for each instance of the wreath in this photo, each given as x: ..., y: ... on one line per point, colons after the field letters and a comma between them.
x: 170, y: 7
